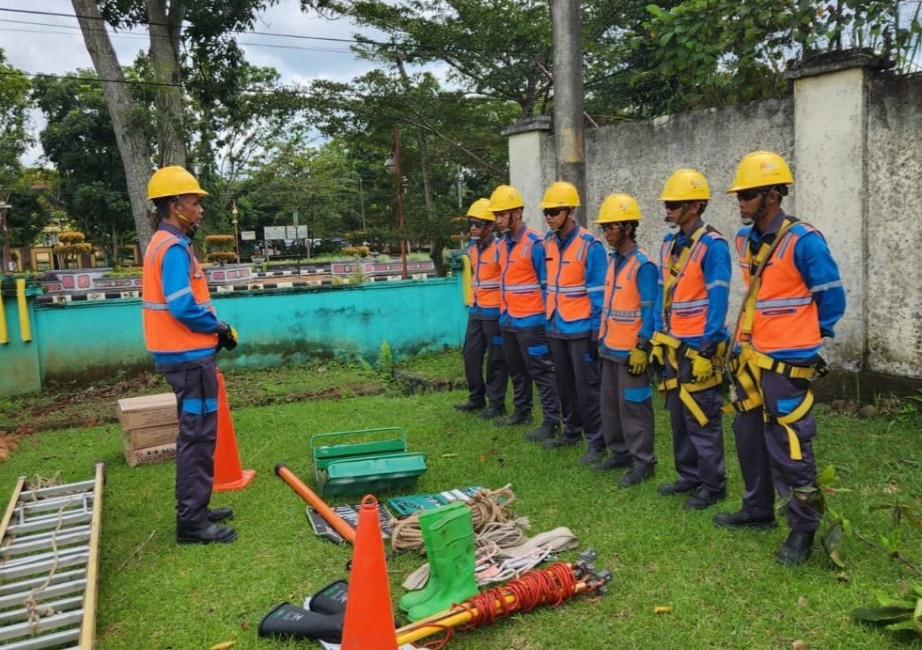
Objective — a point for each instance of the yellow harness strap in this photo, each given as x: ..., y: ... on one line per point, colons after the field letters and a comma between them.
x: 672, y: 346
x: 792, y: 417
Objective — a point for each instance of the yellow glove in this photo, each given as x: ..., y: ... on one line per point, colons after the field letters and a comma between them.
x: 637, y: 362
x: 658, y: 358
x: 702, y: 368
x: 228, y: 338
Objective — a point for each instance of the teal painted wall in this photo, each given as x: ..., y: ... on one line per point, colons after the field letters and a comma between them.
x: 20, y: 371
x: 88, y: 340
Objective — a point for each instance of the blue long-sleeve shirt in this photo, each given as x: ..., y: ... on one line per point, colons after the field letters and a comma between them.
x: 175, y: 273
x: 594, y: 281
x: 717, y: 268
x: 539, y: 263
x: 820, y: 272
x: 648, y: 287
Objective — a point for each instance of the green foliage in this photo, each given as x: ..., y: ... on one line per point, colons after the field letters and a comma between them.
x: 902, y: 614
x: 14, y: 108
x: 385, y: 365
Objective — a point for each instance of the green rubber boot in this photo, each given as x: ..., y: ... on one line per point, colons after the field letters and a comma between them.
x: 452, y: 555
x: 426, y: 519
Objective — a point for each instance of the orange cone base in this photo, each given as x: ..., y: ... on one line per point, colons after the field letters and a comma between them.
x: 239, y: 484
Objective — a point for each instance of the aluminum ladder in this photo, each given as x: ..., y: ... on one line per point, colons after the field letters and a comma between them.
x: 49, y: 562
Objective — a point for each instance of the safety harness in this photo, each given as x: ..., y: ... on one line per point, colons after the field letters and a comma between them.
x: 746, y: 365
x: 673, y: 347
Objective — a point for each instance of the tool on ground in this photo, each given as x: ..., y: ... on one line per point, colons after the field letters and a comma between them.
x: 365, y: 461
x: 369, y: 622
x: 552, y: 586
x: 349, y: 514
x: 318, y: 504
x: 49, y: 562
x: 228, y: 474
x: 407, y: 505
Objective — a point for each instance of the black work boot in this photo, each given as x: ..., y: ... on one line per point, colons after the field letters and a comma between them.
x: 743, y: 519
x: 544, y: 432
x: 517, y: 417
x: 468, y: 406
x: 210, y: 533
x: 640, y: 472
x: 682, y: 486
x: 797, y: 548
x: 220, y: 514
x: 592, y: 457
x: 493, y: 411
x: 704, y: 498
x: 614, y: 461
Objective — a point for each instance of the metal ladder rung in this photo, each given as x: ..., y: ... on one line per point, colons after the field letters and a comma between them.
x: 51, y: 591
x: 57, y: 490
x: 46, y: 641
x: 45, y: 541
x: 43, y: 523
x: 53, y: 622
x: 66, y: 559
x: 32, y: 583
x: 61, y: 605
x: 70, y: 502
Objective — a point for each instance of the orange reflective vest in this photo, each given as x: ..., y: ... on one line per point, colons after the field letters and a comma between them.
x: 742, y: 242
x: 485, y: 271
x: 567, y: 293
x: 621, y: 320
x: 162, y: 332
x: 686, y: 309
x: 520, y: 287
x: 783, y: 313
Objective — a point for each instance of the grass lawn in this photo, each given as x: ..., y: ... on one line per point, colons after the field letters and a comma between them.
x: 724, y: 589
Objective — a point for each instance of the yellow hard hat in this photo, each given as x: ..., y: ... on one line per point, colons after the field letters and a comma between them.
x: 505, y: 197
x: 480, y: 209
x: 618, y: 207
x: 172, y: 181
x: 761, y: 169
x: 686, y: 185
x: 561, y: 195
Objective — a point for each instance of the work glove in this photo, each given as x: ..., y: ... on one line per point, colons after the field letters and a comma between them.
x: 637, y: 362
x: 228, y: 338
x: 593, y: 349
x: 702, y: 368
x: 658, y: 359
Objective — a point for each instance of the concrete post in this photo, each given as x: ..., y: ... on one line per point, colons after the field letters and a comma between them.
x: 531, y: 164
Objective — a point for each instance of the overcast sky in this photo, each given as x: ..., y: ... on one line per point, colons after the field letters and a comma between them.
x: 36, y: 41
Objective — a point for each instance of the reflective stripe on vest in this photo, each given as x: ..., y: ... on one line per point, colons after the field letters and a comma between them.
x: 520, y: 291
x: 162, y: 332
x: 621, y: 315
x: 485, y: 271
x: 685, y: 297
x: 566, y: 277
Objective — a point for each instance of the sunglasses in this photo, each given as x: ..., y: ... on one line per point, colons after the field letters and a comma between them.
x: 673, y: 205
x: 608, y: 227
x: 748, y: 195
x: 476, y: 223
x: 553, y: 212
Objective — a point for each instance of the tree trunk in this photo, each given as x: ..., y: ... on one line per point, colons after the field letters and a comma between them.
x: 132, y: 145
x: 165, y: 34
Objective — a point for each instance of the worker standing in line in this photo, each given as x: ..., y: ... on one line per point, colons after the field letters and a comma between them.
x: 624, y: 337
x: 794, y: 299
x: 523, y: 283
x: 483, y: 337
x: 575, y: 284
x: 691, y: 313
x: 183, y: 333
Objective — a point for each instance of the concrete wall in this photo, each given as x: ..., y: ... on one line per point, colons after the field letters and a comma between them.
x: 854, y: 143
x: 87, y: 340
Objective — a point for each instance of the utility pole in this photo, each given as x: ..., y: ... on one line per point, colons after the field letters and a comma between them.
x: 569, y: 139
x: 5, y: 235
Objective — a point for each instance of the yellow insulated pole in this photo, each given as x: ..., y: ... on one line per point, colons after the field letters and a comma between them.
x: 25, y: 327
x: 467, y: 281
x: 4, y: 332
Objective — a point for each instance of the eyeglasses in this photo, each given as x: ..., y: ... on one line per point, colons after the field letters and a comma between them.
x: 748, y: 195
x: 476, y: 223
x: 673, y: 205
x: 553, y: 212
x: 608, y: 227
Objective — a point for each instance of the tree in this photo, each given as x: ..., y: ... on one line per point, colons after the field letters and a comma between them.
x: 80, y: 140
x: 14, y: 107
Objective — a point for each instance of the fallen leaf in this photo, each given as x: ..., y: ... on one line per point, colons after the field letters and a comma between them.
x: 662, y: 609
x: 224, y: 645
x: 483, y: 458
x: 798, y: 645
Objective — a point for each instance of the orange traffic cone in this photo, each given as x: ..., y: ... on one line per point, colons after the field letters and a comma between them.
x: 227, y: 472
x: 369, y: 622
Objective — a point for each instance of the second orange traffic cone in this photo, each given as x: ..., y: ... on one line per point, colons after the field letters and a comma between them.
x: 369, y: 622
x: 228, y: 474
